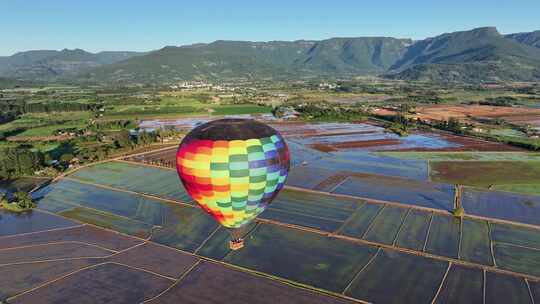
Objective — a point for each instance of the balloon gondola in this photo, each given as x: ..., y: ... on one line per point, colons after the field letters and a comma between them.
x: 233, y: 169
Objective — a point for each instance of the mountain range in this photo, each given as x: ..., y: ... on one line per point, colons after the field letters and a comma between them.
x: 478, y: 55
x: 50, y: 64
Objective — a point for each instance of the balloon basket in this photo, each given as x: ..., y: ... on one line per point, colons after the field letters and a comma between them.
x: 236, y: 244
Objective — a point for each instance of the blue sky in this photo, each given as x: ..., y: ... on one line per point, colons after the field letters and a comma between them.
x: 97, y: 25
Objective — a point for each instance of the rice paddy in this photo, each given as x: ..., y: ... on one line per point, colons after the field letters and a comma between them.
x: 398, y: 278
x: 303, y: 257
x: 378, y: 232
x: 122, y: 175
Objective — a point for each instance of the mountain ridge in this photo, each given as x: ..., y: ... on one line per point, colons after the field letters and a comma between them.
x: 482, y: 51
x: 477, y: 55
x: 44, y: 64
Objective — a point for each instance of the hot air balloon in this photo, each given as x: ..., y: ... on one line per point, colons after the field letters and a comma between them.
x: 233, y: 168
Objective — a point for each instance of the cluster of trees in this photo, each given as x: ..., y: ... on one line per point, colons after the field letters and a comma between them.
x: 21, y: 160
x: 532, y: 90
x: 8, y: 116
x: 21, y: 106
x: 401, y: 125
x: 89, y: 153
x: 323, y: 111
x: 113, y: 125
x: 133, y: 100
x: 119, y: 141
x: 7, y: 133
x: 526, y: 143
x: 21, y: 201
x: 425, y: 98
x: 453, y: 125
x: 124, y: 139
x: 55, y: 106
x: 95, y: 146
x: 501, y: 101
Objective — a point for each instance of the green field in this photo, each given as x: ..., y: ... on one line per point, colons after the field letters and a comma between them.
x: 507, y: 132
x: 533, y: 189
x: 465, y: 156
x: 170, y: 106
x: 31, y: 120
x: 45, y: 124
x: 514, y: 176
x: 50, y: 130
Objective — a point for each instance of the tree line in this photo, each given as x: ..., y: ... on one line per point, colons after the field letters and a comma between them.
x: 19, y: 107
x: 21, y: 160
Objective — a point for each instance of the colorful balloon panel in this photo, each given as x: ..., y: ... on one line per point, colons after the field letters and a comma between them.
x: 233, y: 180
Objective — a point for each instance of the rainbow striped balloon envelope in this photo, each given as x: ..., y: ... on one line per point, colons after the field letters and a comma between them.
x: 233, y: 168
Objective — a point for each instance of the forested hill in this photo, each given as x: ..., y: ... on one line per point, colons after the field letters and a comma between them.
x: 47, y: 64
x: 277, y: 59
x: 532, y: 38
x: 481, y: 54
x: 478, y: 55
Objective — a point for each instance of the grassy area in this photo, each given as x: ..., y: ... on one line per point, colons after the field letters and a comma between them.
x: 508, y: 132
x: 488, y: 174
x: 240, y: 109
x: 465, y: 156
x: 533, y: 189
x: 43, y: 124
x: 13, y: 207
x: 50, y: 130
x: 177, y: 106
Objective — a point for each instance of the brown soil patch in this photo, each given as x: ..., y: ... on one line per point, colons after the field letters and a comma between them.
x: 485, y: 173
x: 346, y: 133
x: 166, y: 158
x: 532, y: 119
x: 444, y: 112
x: 330, y: 183
x: 355, y: 144
x: 323, y: 148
